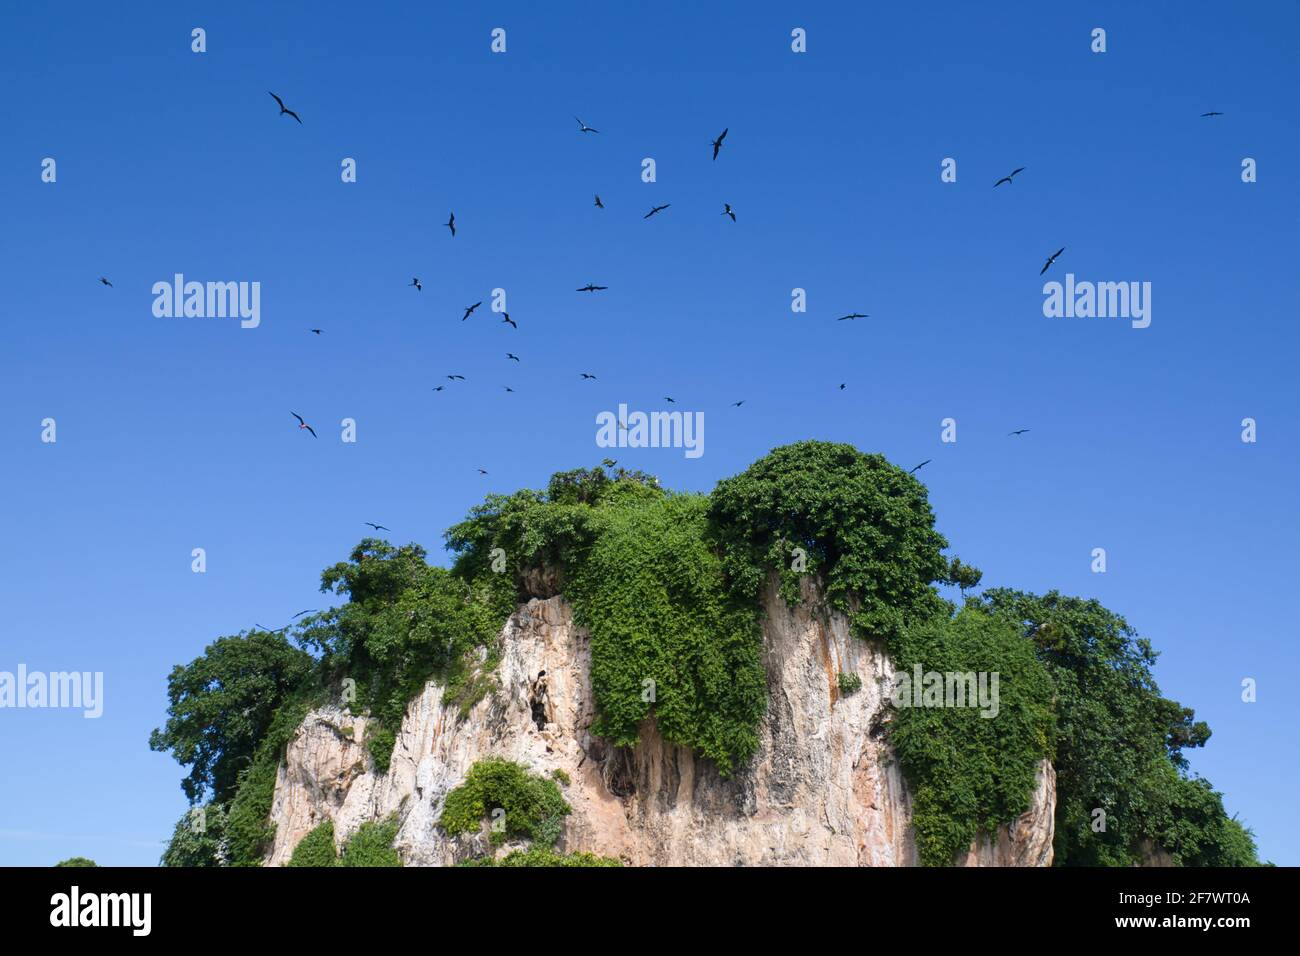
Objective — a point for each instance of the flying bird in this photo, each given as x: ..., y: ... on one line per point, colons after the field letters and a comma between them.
x: 451, y: 224
x: 842, y: 386
x: 1009, y: 177
x: 454, y: 377
x: 593, y: 288
x: 439, y: 388
x: 738, y: 404
x: 587, y: 375
x: 506, y: 318
x: 508, y: 388
x: 717, y: 143
x: 599, y: 204
x: 667, y: 399
x: 470, y: 311
x: 920, y: 466
x: 482, y: 471
x: 105, y: 282
x: 284, y: 109
x: 1212, y: 113
x: 377, y: 527
x: 416, y: 282
x: 728, y: 211
x: 303, y: 424
x: 1054, y: 256
x: 584, y: 128
x: 655, y: 209
x: 301, y: 613
x: 512, y: 356
x: 316, y: 331
x: 1018, y: 431
x: 851, y: 316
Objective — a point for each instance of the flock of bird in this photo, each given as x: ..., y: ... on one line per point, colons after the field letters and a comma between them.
x: 590, y: 287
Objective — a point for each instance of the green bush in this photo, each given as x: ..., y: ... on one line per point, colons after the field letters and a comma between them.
x: 849, y: 683
x: 85, y: 861
x: 316, y: 848
x: 544, y: 856
x: 534, y: 808
x: 372, y: 845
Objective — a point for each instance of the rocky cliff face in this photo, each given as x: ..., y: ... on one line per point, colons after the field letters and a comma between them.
x: 823, y: 788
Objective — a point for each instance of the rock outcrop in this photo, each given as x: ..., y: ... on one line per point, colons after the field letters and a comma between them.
x: 823, y: 788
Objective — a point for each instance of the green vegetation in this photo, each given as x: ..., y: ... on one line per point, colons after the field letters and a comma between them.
x: 970, y: 772
x: 543, y: 856
x: 533, y: 808
x: 316, y: 848
x: 85, y: 861
x: 668, y: 637
x: 670, y: 588
x: 372, y: 845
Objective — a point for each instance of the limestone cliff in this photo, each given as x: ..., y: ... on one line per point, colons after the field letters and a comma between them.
x: 823, y: 788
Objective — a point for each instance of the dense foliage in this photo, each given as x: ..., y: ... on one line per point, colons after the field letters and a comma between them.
x: 1119, y: 744
x: 316, y: 848
x: 543, y: 856
x: 86, y: 861
x: 221, y: 705
x: 670, y: 588
x: 971, y: 772
x: 669, y: 638
x: 530, y: 807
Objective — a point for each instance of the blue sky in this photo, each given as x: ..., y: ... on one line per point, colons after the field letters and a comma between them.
x: 175, y: 433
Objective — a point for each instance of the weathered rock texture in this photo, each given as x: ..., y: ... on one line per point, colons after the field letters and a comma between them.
x: 823, y: 788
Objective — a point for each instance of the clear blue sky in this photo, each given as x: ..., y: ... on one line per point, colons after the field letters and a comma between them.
x: 175, y: 433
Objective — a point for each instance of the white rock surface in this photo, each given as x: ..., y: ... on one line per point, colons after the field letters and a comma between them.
x: 823, y: 788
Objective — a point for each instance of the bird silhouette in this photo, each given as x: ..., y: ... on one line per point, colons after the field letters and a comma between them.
x: 303, y: 424
x: 655, y: 209
x: 506, y: 318
x: 508, y: 388
x: 842, y: 386
x: 512, y: 356
x: 439, y: 388
x: 717, y: 143
x: 738, y: 404
x: 672, y: 400
x: 1009, y: 177
x: 728, y: 211
x: 851, y: 316
x: 105, y: 282
x: 1050, y: 259
x: 284, y: 109
x: 455, y: 377
x: 593, y: 288
x: 482, y: 471
x: 1018, y: 431
x: 1212, y: 113
x: 451, y: 224
x: 584, y: 128
x: 586, y: 375
x: 377, y: 527
x: 316, y: 331
x: 920, y: 466
x: 470, y: 311
x: 416, y: 282
x: 599, y: 204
